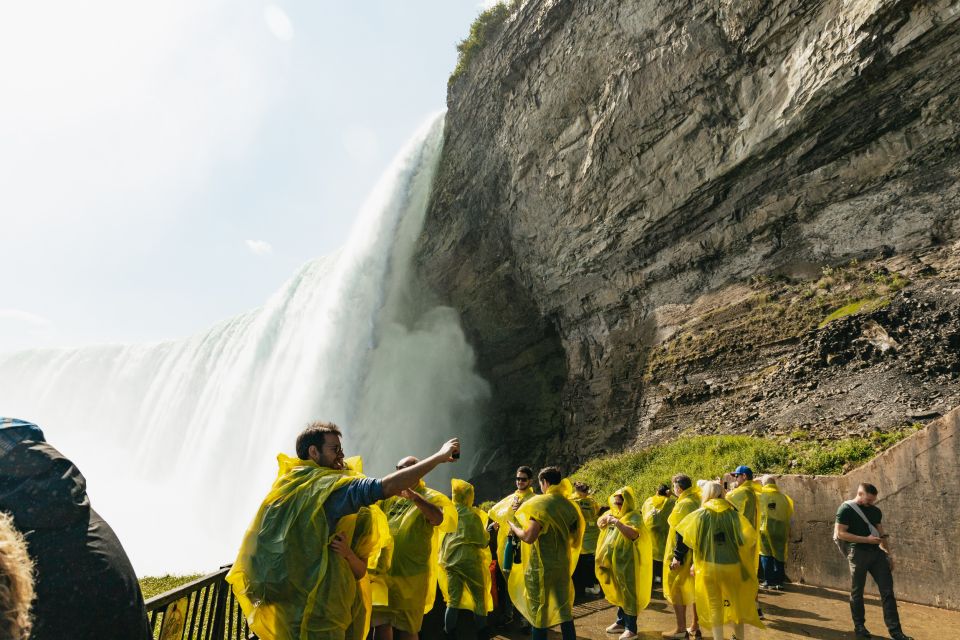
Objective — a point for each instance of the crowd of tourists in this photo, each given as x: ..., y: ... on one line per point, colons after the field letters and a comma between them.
x: 335, y: 555
x: 709, y: 547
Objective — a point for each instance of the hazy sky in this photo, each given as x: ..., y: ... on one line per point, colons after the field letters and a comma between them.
x: 166, y: 165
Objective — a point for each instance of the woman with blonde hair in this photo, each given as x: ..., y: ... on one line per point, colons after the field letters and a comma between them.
x: 16, y: 582
x: 723, y: 543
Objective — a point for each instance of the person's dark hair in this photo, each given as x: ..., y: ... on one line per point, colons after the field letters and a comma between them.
x: 582, y: 487
x: 869, y: 488
x: 749, y: 474
x: 315, y: 434
x: 551, y: 475
x: 525, y: 470
x: 663, y: 490
x: 683, y: 481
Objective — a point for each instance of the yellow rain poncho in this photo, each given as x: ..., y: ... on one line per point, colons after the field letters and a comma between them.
x: 724, y: 556
x: 369, y: 536
x: 541, y: 587
x: 590, y: 509
x: 656, y: 513
x: 677, y: 583
x: 625, y: 566
x: 289, y: 583
x: 502, y: 513
x: 465, y: 556
x: 368, y: 533
x: 412, y: 578
x: 776, y: 509
x: 746, y: 499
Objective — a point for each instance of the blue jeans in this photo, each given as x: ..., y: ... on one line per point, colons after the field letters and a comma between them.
x: 567, y: 631
x: 625, y: 621
x: 772, y: 570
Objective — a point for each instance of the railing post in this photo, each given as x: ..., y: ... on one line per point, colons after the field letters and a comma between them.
x: 220, y: 610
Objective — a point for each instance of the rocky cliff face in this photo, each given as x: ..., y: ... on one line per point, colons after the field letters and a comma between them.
x: 621, y: 177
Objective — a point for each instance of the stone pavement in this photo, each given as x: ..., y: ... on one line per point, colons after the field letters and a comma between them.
x: 799, y: 612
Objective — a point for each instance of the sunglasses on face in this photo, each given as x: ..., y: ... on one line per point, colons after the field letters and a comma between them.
x: 519, y: 479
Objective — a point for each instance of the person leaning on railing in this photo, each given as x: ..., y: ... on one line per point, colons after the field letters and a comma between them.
x: 288, y: 580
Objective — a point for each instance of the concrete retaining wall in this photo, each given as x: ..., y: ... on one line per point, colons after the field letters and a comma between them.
x: 919, y: 483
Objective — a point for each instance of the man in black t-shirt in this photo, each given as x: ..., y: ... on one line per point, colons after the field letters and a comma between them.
x: 869, y: 553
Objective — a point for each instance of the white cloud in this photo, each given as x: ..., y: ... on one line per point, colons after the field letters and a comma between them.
x: 25, y: 317
x: 259, y: 247
x: 278, y: 22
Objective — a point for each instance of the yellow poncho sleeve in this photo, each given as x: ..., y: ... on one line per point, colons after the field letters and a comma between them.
x: 541, y: 588
x: 288, y: 582
x: 369, y: 535
x: 776, y: 509
x: 624, y: 567
x: 723, y: 544
x: 465, y: 556
x: 412, y: 578
x: 677, y: 583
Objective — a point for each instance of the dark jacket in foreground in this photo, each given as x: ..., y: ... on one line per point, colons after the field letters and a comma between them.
x: 86, y: 587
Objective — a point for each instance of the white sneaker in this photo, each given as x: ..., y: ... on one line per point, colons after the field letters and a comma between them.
x: 594, y: 590
x: 627, y: 634
x: 615, y: 628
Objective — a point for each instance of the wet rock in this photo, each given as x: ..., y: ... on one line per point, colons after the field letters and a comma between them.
x: 609, y: 166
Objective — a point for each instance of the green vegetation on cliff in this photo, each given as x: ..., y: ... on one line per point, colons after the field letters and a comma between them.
x: 481, y: 30
x: 712, y: 456
x: 777, y: 310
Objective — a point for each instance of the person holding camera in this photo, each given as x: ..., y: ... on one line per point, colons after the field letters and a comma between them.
x: 508, y: 546
x: 292, y: 576
x: 550, y: 527
x: 858, y: 529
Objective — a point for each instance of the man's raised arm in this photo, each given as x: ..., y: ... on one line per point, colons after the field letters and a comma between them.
x: 406, y: 478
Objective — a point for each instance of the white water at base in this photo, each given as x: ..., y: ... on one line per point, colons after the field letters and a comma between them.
x: 178, y: 440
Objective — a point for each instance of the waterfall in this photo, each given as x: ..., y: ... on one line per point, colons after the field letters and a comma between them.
x: 178, y: 439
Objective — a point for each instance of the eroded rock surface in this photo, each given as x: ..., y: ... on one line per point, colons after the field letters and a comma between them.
x: 611, y: 164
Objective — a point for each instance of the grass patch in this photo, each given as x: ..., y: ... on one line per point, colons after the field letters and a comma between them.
x: 865, y: 306
x: 712, y: 456
x: 155, y: 585
x: 486, y: 24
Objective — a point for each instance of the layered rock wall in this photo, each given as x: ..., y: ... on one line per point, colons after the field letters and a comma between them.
x: 608, y: 163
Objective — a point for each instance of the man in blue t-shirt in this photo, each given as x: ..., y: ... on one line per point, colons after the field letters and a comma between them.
x: 289, y: 583
x: 869, y: 553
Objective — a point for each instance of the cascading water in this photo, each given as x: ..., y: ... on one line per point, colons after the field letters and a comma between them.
x: 177, y: 439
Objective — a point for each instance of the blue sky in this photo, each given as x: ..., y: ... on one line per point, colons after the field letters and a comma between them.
x: 166, y: 165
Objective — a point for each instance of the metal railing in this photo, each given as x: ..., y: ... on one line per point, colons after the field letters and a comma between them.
x: 204, y: 609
